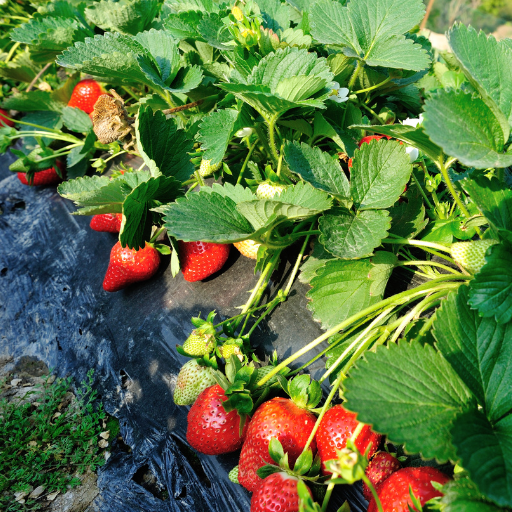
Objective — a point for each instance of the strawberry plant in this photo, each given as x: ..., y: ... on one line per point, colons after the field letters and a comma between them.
x: 333, y: 131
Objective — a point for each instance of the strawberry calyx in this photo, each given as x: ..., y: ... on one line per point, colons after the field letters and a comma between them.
x: 202, y: 340
x: 303, y: 390
x: 306, y: 466
x: 350, y: 465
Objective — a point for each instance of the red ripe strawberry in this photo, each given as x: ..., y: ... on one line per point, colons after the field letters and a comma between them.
x: 336, y: 427
x: 394, y: 491
x: 45, y: 177
x: 280, y: 418
x: 212, y: 430
x: 109, y: 222
x: 128, y: 266
x: 3, y: 121
x: 368, y: 138
x: 278, y: 492
x: 85, y: 94
x: 200, y: 260
x: 380, y: 467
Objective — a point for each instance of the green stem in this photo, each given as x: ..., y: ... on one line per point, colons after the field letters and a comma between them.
x: 439, y: 255
x: 372, y: 112
x: 355, y: 74
x: 417, y: 310
x: 296, y: 266
x: 63, y: 137
x: 367, y: 481
x: 355, y: 342
x: 199, y: 179
x: 368, y: 89
x: 272, y: 139
x: 11, y: 52
x: 130, y: 93
x: 246, y: 161
x: 422, y: 192
x: 416, y: 243
x: 156, y: 235
x: 418, y: 263
x: 397, y: 299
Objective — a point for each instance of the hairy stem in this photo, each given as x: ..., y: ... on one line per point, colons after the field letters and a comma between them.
x: 246, y: 161
x: 397, y: 299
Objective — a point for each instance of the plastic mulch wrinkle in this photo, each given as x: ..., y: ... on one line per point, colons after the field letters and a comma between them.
x: 53, y: 307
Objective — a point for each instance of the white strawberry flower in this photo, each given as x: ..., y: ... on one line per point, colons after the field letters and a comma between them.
x: 412, y: 152
x: 244, y: 132
x: 338, y: 94
x: 414, y: 122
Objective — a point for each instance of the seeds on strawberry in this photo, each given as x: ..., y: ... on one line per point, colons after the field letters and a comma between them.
x: 41, y: 178
x: 200, y: 260
x: 129, y: 266
x: 205, y: 169
x: 192, y: 380
x: 85, y: 94
x: 382, y: 465
x: 336, y: 427
x: 210, y: 429
x: 107, y: 222
x: 267, y: 190
x: 248, y: 248
x: 280, y: 418
x: 471, y: 255
x: 277, y: 492
x: 394, y: 491
x: 199, y: 343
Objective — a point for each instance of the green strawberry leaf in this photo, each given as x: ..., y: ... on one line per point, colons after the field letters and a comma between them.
x: 371, y: 31
x: 296, y: 202
x: 348, y: 235
x: 491, y: 289
x: 408, y: 217
x: 276, y: 16
x: 494, y: 200
x: 162, y: 145
x: 209, y: 217
x: 110, y: 56
x: 125, y: 16
x: 78, y: 158
x: 315, y: 261
x: 183, y: 25
x: 410, y: 393
x: 485, y: 451
x: 46, y: 118
x: 380, y: 171
x: 237, y: 193
x: 214, y: 31
x: 100, y: 194
x: 215, y: 132
x: 487, y: 64
x: 137, y: 205
x: 341, y: 289
x: 477, y: 350
x: 414, y: 136
x: 33, y: 101
x: 465, y: 128
x: 50, y: 35
x: 319, y: 169
x: 21, y: 68
x: 283, y: 80
x: 76, y: 120
x: 462, y: 495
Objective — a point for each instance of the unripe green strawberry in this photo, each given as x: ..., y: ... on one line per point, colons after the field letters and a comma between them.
x: 233, y: 475
x: 205, y: 169
x: 471, y: 255
x: 263, y: 371
x: 267, y: 190
x: 192, y: 380
x: 199, y: 343
x: 228, y: 349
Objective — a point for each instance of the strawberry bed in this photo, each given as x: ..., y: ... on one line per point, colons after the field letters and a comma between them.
x: 337, y: 152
